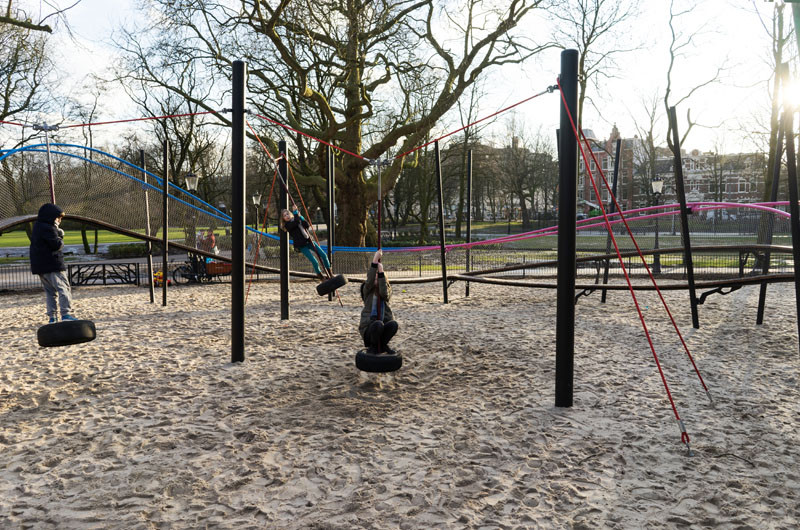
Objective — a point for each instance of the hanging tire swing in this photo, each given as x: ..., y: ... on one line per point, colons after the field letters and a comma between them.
x: 331, y: 284
x: 66, y: 333
x: 378, y: 363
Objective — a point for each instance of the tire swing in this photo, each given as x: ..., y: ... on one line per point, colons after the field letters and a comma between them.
x: 66, y: 333
x: 331, y: 284
x: 378, y: 362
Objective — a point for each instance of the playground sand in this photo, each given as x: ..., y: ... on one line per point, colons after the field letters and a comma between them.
x: 151, y: 426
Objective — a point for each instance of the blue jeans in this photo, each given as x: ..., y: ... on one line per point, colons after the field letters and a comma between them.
x: 56, y: 285
x: 311, y: 254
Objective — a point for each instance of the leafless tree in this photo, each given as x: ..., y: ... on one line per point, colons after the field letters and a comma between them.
x: 340, y: 71
x: 17, y: 17
x: 599, y: 30
x: 682, y: 41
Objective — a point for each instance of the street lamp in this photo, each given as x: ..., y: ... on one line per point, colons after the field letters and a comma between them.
x: 657, y: 185
x: 256, y: 198
x: 191, y: 181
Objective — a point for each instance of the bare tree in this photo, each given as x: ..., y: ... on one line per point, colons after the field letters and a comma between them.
x: 19, y: 18
x: 340, y: 71
x: 599, y: 30
x: 681, y: 42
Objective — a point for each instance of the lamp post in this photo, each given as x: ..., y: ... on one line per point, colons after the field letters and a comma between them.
x: 256, y: 201
x: 191, y: 181
x: 657, y: 185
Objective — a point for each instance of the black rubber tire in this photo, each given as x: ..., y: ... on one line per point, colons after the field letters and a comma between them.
x: 381, y: 363
x: 66, y: 332
x: 330, y: 285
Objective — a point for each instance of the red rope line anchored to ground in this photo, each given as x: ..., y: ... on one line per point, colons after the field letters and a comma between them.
x: 684, y: 434
x: 650, y: 273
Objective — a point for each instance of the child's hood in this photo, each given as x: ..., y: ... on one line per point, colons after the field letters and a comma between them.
x: 49, y: 212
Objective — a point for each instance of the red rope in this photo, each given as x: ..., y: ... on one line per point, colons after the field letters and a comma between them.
x: 140, y: 119
x: 13, y: 123
x: 279, y: 124
x: 474, y: 122
x: 684, y: 434
x: 647, y: 268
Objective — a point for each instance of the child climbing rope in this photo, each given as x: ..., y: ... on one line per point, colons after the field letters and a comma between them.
x: 296, y: 226
x: 377, y: 325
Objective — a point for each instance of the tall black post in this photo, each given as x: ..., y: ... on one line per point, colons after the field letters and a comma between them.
x: 773, y: 197
x: 283, y: 204
x: 794, y: 208
x: 681, y: 191
x: 238, y: 210
x: 165, y: 226
x: 469, y: 213
x: 148, y: 244
x: 438, y: 160
x: 567, y: 200
x: 609, y: 210
x: 331, y: 206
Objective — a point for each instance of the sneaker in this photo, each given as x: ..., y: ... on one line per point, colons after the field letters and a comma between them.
x: 68, y: 317
x: 53, y: 320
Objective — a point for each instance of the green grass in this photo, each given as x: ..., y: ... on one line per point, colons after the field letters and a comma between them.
x: 19, y: 238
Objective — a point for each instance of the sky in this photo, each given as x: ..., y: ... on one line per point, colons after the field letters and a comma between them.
x: 727, y: 33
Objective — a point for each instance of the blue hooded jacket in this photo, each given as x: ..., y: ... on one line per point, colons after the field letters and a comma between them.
x: 47, y: 245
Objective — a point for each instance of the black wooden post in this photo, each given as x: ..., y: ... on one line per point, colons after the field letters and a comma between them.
x: 611, y: 207
x: 794, y: 209
x: 567, y: 198
x: 238, y: 210
x: 331, y: 205
x: 469, y: 213
x: 283, y: 204
x: 438, y: 160
x: 148, y: 244
x: 681, y: 191
x: 773, y: 197
x: 165, y: 226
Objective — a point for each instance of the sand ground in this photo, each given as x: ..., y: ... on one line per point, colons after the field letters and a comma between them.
x: 151, y: 426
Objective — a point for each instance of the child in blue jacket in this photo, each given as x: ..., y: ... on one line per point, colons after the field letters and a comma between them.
x: 296, y: 226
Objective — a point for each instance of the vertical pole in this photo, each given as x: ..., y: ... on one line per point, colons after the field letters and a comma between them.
x: 567, y: 199
x: 611, y: 207
x: 50, y: 177
x: 331, y: 206
x: 773, y: 197
x: 283, y: 204
x: 469, y: 213
x: 238, y: 212
x: 165, y: 225
x: 794, y: 208
x: 441, y: 219
x: 681, y: 191
x: 148, y: 244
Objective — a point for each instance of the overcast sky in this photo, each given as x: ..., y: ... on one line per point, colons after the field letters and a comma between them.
x: 730, y: 35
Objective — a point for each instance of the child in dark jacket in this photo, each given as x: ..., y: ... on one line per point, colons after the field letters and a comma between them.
x: 377, y: 325
x: 296, y: 226
x: 47, y: 260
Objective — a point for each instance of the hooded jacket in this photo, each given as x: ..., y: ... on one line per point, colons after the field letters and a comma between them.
x: 297, y: 231
x: 368, y: 295
x: 47, y: 245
